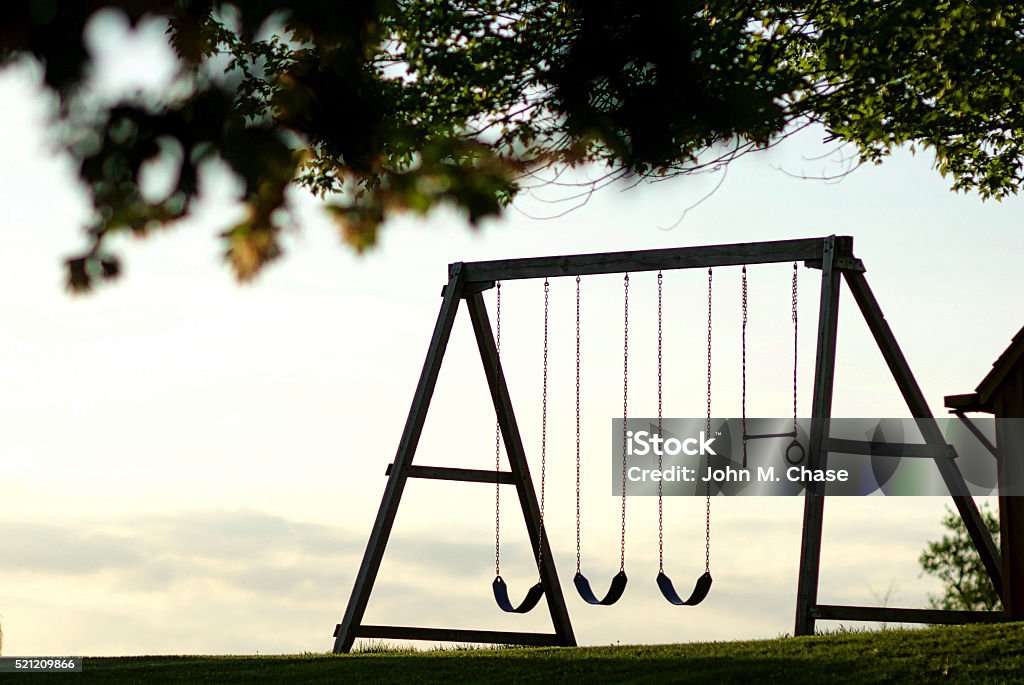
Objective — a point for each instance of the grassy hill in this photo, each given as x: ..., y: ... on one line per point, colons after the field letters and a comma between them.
x: 976, y: 654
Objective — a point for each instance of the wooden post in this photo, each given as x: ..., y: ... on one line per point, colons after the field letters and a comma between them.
x: 345, y: 634
x: 1009, y: 410
x: 519, y: 467
x: 918, y: 406
x: 821, y: 410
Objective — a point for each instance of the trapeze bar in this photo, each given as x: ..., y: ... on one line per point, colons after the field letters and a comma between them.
x: 890, y: 449
x: 464, y: 475
x: 455, y: 635
x: 806, y: 249
x: 759, y: 436
x: 835, y: 612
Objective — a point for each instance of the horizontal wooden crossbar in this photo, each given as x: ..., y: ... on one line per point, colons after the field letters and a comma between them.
x: 464, y: 475
x: 836, y: 612
x: 890, y: 449
x: 497, y: 637
x: 806, y: 249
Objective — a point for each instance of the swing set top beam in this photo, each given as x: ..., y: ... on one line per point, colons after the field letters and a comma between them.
x: 737, y: 254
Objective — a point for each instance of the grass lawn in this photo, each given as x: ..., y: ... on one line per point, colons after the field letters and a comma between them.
x: 976, y: 654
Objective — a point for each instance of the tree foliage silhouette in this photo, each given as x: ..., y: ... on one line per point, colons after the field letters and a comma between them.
x: 955, y: 561
x: 387, y: 106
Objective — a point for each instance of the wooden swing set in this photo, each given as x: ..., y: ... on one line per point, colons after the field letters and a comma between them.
x: 833, y: 256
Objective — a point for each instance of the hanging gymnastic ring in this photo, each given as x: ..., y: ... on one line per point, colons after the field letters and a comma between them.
x: 801, y: 453
x: 529, y: 602
x: 700, y: 590
x: 615, y: 591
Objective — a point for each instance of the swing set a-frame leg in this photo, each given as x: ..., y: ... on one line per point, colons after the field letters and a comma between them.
x: 817, y: 454
x: 808, y: 609
x: 520, y: 469
x: 930, y: 431
x: 402, y: 469
x: 346, y: 632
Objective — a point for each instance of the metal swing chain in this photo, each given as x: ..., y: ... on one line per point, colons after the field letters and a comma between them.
x: 543, y: 433
x: 707, y: 488
x: 498, y: 448
x: 795, y: 346
x: 661, y: 534
x: 743, y: 337
x: 578, y: 544
x: 708, y: 424
x: 497, y: 455
x: 625, y: 416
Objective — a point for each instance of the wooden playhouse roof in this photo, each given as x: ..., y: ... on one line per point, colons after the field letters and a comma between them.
x: 982, y: 397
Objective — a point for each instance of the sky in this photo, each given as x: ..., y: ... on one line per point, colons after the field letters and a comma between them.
x: 188, y: 465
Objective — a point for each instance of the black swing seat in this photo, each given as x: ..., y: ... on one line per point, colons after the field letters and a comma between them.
x: 618, y: 586
x: 501, y: 597
x: 700, y: 590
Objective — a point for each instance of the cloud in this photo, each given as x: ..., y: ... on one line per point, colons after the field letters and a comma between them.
x: 238, y: 553
x: 65, y: 550
x: 248, y: 551
x: 211, y: 581
x: 242, y: 581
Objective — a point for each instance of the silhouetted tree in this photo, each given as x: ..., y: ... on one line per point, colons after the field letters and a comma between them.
x: 386, y: 106
x: 956, y: 562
